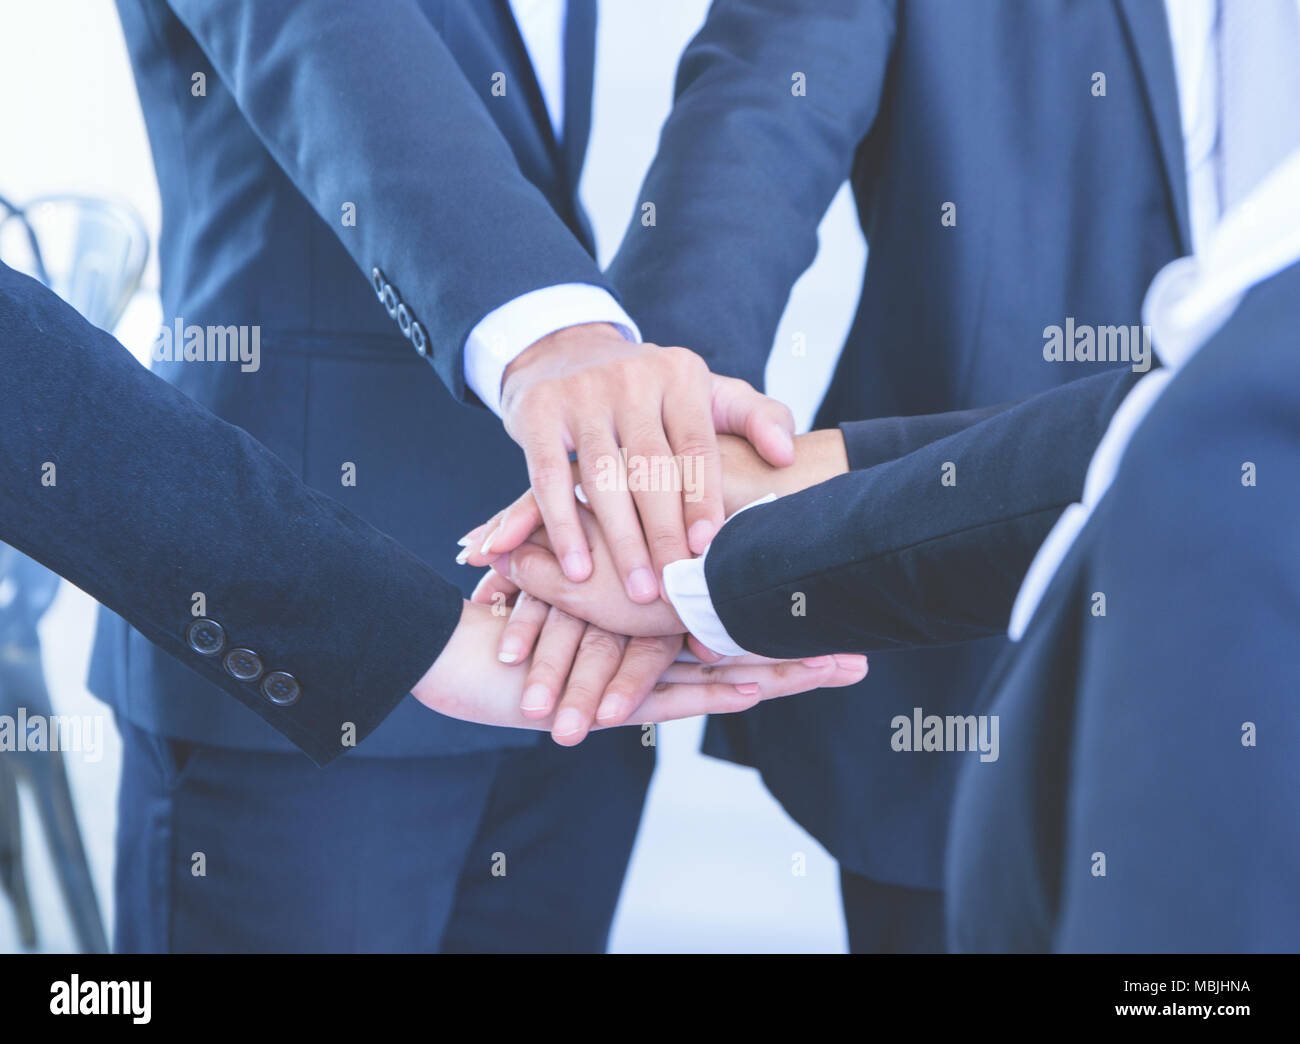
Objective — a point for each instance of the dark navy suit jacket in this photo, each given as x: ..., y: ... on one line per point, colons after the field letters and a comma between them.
x: 113, y: 478
x: 1065, y: 202
x: 462, y: 201
x: 1160, y: 735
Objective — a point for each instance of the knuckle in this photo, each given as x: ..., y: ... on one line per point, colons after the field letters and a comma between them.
x: 544, y: 672
x: 600, y: 643
x: 628, y: 547
x: 557, y: 617
x: 547, y: 472
x: 667, y: 545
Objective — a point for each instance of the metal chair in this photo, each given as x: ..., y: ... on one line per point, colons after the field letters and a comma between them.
x: 92, y: 254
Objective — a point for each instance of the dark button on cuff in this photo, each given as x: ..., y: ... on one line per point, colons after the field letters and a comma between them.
x: 378, y: 280
x: 243, y: 664
x: 391, y: 300
x: 420, y: 339
x: 404, y: 320
x: 281, y: 688
x: 206, y: 637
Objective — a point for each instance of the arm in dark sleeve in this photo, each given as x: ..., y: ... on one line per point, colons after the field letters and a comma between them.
x: 746, y: 168
x: 114, y: 479
x: 927, y: 549
x: 871, y: 442
x: 364, y: 102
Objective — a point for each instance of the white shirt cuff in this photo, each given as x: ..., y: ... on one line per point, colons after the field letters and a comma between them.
x: 502, y: 335
x: 688, y: 592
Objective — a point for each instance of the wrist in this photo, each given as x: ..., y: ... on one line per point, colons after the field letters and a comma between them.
x: 818, y: 456
x: 471, y: 647
x: 558, y: 341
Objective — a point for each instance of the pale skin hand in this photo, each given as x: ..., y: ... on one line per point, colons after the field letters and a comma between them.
x: 468, y: 682
x: 746, y: 476
x: 819, y: 455
x: 589, y: 390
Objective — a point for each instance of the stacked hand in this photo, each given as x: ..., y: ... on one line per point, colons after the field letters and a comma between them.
x: 589, y: 641
x: 468, y: 680
x: 625, y: 643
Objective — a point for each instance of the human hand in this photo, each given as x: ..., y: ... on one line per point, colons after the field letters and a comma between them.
x: 533, y: 568
x: 587, y: 389
x: 467, y: 681
x: 746, y: 477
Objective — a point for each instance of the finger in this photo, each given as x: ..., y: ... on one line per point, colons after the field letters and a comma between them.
x: 552, y: 660
x: 536, y: 570
x: 473, y: 540
x: 495, y: 590
x: 599, y: 656
x: 658, y: 492
x: 688, y: 421
x: 612, y: 504
x: 774, y: 680
x: 698, y: 649
x: 644, y: 660
x: 505, y: 532
x: 520, y: 634
x: 600, y: 600
x: 552, y: 482
x: 768, y: 425
x: 690, y: 700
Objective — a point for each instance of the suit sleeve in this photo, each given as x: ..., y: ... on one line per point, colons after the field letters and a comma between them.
x: 363, y: 102
x: 928, y: 549
x: 772, y: 99
x: 874, y: 441
x: 119, y: 482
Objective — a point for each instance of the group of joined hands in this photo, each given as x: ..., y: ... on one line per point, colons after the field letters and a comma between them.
x: 571, y: 630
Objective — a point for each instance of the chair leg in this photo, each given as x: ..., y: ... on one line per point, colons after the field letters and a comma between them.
x: 12, y: 878
x: 54, y: 799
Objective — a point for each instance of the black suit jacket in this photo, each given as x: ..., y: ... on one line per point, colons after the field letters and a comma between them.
x: 142, y: 498
x: 463, y: 201
x: 1144, y: 796
x: 1064, y: 203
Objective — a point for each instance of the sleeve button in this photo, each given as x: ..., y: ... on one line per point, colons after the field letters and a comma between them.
x: 419, y: 338
x: 243, y: 664
x: 281, y: 688
x: 206, y: 637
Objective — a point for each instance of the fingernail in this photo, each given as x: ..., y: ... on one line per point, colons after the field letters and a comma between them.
x: 642, y: 585
x: 609, y: 707
x: 786, y: 440
x: 487, y: 544
x: 535, y: 698
x: 567, y: 722
x: 851, y: 662
x: 581, y: 494
x: 748, y: 689
x: 510, y: 651
x: 700, y: 535
x: 464, y: 541
x: 818, y: 661
x: 577, y: 566
x: 463, y: 557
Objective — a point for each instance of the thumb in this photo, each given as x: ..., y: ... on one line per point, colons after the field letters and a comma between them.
x: 768, y: 425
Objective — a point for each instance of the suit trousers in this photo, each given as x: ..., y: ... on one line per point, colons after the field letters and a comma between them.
x: 223, y: 850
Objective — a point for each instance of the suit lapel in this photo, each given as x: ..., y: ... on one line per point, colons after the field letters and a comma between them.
x: 1148, y: 34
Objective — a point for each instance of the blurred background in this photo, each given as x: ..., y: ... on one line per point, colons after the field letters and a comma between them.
x: 712, y: 870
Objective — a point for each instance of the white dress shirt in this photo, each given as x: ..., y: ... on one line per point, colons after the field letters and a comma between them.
x: 506, y: 331
x: 1187, y: 301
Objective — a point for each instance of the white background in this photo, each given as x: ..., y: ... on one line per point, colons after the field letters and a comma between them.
x: 712, y: 868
